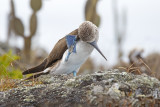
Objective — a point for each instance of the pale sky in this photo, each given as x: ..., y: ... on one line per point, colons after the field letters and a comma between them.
x: 59, y: 17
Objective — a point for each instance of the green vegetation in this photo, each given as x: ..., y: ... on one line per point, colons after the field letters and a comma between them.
x: 6, y: 66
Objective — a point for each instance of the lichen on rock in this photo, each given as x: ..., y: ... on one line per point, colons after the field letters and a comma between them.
x: 103, y: 88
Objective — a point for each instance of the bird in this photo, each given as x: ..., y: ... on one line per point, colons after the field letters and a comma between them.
x: 69, y: 53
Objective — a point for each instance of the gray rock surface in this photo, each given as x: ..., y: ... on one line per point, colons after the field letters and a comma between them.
x: 102, y: 89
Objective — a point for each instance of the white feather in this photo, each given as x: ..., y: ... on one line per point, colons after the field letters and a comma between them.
x: 83, y: 50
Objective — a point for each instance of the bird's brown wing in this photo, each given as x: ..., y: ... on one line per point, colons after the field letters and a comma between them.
x: 55, y: 55
x: 58, y: 50
x: 37, y: 68
x: 37, y: 74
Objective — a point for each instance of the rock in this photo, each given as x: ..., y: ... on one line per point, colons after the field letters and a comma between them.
x: 102, y: 89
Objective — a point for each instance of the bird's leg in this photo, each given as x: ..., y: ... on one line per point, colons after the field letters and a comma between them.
x: 74, y: 73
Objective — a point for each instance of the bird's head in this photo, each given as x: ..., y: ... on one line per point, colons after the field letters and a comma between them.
x: 88, y: 32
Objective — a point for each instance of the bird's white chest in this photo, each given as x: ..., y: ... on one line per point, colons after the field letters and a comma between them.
x: 83, y: 50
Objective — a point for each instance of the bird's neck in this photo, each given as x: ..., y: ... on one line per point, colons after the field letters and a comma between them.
x: 84, y: 48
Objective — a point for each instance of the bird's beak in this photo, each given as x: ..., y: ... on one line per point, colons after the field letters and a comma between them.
x: 94, y: 44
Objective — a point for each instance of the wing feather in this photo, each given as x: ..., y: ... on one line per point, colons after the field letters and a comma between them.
x: 55, y: 55
x: 58, y: 50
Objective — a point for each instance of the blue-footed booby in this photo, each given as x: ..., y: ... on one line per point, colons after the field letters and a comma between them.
x: 70, y: 52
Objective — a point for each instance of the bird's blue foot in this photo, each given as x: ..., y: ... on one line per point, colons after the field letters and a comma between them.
x: 74, y: 73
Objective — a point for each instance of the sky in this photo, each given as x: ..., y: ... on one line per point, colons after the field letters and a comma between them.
x: 59, y: 17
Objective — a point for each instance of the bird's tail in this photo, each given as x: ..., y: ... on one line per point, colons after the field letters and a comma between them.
x: 36, y: 69
x: 35, y: 75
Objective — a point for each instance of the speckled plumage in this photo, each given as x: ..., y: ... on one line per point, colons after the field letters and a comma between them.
x: 88, y: 32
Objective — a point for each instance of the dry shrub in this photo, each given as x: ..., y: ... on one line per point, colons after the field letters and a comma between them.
x: 149, y: 65
x: 6, y: 84
x: 153, y: 61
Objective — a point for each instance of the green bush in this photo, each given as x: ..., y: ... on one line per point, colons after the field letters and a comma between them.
x: 6, y: 68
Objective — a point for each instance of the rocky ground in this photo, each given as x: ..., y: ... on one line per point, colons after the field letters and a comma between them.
x: 103, y: 89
